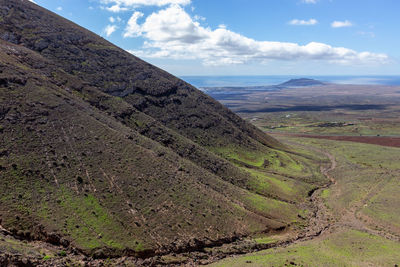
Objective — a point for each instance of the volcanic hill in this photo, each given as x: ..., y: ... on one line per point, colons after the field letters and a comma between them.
x: 105, y: 153
x: 302, y: 82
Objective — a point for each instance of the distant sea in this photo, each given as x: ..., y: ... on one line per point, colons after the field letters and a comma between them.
x: 223, y: 81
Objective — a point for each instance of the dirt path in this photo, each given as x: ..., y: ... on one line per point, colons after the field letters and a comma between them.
x: 350, y: 217
x: 353, y: 217
x: 321, y: 221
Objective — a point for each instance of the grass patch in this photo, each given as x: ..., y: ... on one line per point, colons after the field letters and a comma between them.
x: 271, y: 208
x: 265, y: 240
x: 91, y: 226
x: 47, y: 257
x: 348, y: 248
x: 325, y: 194
x: 273, y: 185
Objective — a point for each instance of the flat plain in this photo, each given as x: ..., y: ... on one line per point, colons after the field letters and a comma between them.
x: 361, y: 207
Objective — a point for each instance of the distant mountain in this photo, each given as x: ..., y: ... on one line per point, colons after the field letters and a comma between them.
x: 301, y: 82
x: 107, y: 154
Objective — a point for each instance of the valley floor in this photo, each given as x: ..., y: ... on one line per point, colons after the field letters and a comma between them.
x: 361, y: 213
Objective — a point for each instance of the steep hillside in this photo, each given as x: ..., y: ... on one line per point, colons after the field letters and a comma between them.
x: 105, y: 153
x: 116, y: 72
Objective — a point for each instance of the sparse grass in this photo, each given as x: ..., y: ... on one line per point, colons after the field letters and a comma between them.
x: 355, y: 123
x: 325, y: 193
x: 265, y: 240
x: 47, y: 257
x: 384, y: 206
x: 90, y: 221
x: 272, y: 208
x: 363, y: 172
x: 274, y: 161
x: 347, y: 248
x: 272, y: 185
x: 360, y: 166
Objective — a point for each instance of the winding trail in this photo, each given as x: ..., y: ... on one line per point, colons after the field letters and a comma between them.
x: 350, y: 217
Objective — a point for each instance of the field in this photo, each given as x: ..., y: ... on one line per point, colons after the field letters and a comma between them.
x: 359, y: 213
x: 363, y: 226
x: 332, y: 109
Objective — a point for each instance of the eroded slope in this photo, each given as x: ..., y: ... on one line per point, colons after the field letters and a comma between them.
x: 104, y: 152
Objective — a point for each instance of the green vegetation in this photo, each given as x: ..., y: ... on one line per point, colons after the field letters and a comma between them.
x: 364, y: 196
x: 47, y: 257
x: 272, y: 159
x: 325, y: 193
x: 271, y: 185
x: 265, y: 240
x: 62, y: 253
x: 113, y: 156
x: 100, y: 46
x: 91, y: 226
x: 346, y: 248
x: 272, y: 207
x: 95, y: 172
x: 383, y: 206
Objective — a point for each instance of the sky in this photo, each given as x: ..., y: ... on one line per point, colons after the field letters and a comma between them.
x: 248, y: 37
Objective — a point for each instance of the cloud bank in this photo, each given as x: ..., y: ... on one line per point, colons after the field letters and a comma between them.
x: 124, y: 5
x: 172, y: 33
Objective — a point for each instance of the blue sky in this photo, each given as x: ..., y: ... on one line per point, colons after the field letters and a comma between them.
x: 248, y: 37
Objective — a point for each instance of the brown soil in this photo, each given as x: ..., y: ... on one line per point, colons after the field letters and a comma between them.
x: 374, y: 140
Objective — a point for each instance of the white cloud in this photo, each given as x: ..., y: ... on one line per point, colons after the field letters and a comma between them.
x: 59, y: 8
x: 136, y: 3
x: 116, y: 8
x: 109, y: 29
x: 133, y: 29
x: 367, y: 34
x: 114, y: 19
x: 172, y: 33
x: 197, y: 18
x: 341, y: 24
x: 309, y: 1
x: 303, y: 22
x: 123, y: 5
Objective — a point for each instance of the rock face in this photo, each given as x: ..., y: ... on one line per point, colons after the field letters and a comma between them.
x: 113, y: 156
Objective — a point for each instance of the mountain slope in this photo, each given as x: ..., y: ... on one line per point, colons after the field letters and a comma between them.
x: 108, y: 154
x: 173, y: 102
x: 68, y: 168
